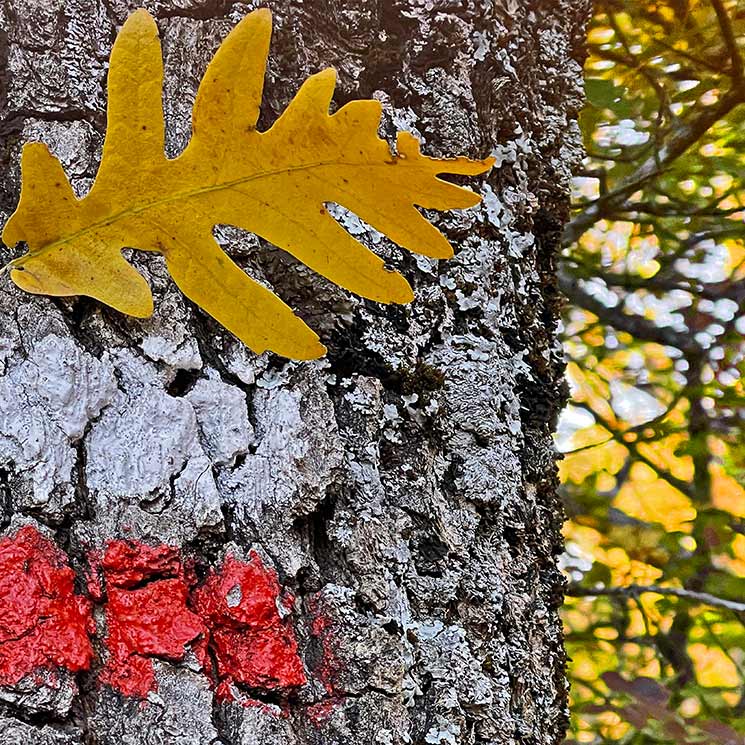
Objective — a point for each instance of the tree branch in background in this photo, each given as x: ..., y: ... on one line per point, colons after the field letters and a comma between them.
x: 635, y: 325
x: 632, y: 591
x: 684, y: 487
x: 677, y: 141
x: 666, y: 282
x: 663, y: 127
x: 729, y: 39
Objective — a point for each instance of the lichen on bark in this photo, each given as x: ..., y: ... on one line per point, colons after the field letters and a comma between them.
x: 403, y: 488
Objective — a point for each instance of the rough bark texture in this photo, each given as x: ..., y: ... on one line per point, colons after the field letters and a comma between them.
x: 404, y: 488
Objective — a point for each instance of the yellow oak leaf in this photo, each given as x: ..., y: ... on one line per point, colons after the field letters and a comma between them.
x: 275, y: 183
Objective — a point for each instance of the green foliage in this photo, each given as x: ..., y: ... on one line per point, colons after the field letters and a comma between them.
x: 654, y: 268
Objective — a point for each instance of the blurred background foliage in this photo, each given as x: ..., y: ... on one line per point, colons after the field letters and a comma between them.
x: 654, y: 435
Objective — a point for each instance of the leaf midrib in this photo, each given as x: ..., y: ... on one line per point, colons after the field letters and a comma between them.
x: 178, y: 196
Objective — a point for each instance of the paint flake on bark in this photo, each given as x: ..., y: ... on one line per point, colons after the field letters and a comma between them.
x: 44, y: 623
x: 155, y: 608
x: 252, y: 644
x: 146, y: 614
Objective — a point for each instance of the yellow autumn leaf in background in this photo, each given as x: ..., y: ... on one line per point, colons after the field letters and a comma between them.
x: 648, y: 498
x: 274, y: 183
x: 726, y: 493
x: 713, y: 667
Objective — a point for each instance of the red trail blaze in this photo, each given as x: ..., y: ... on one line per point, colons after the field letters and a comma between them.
x: 252, y: 644
x: 43, y: 624
x: 154, y: 609
x: 144, y: 620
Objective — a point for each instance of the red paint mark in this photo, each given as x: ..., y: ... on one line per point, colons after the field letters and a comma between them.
x: 233, y: 618
x: 287, y: 601
x: 251, y: 643
x: 145, y: 621
x: 129, y: 563
x: 225, y: 691
x: 93, y: 582
x: 154, y: 609
x: 43, y: 624
x: 322, y: 711
x: 329, y: 665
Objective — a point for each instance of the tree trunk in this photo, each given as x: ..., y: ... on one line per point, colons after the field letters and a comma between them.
x: 403, y: 489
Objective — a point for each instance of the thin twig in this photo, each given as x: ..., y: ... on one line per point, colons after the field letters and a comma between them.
x: 725, y: 23
x: 637, y: 326
x: 684, y: 487
x: 632, y: 591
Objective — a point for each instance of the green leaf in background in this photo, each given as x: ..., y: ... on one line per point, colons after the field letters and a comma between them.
x: 604, y: 94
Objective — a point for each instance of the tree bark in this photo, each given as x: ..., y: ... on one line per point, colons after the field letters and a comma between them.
x: 403, y: 489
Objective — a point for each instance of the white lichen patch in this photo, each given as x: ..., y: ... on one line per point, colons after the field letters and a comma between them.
x: 46, y: 403
x: 296, y: 458
x: 222, y: 417
x: 146, y: 469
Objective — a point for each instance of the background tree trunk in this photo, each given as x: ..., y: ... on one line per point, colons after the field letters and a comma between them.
x: 404, y: 487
